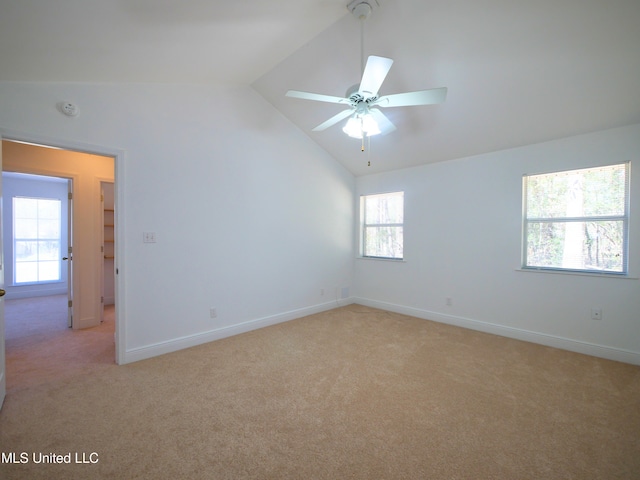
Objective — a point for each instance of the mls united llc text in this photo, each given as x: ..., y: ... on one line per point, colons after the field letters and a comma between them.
x: 39, y: 457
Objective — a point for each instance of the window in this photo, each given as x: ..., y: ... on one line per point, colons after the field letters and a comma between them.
x: 382, y: 219
x: 577, y: 220
x: 36, y: 239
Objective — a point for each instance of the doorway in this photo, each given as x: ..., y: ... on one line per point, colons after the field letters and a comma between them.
x: 36, y: 226
x: 93, y: 169
x: 108, y: 293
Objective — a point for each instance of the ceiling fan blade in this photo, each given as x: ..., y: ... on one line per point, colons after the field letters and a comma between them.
x: 333, y: 120
x: 423, y: 97
x: 316, y: 97
x: 384, y: 124
x: 374, y: 74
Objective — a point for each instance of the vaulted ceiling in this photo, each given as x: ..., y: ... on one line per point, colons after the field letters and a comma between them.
x: 518, y: 72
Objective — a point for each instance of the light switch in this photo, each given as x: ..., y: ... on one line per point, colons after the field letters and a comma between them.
x: 149, y: 237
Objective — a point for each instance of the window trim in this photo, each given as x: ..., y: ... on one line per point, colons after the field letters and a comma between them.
x: 624, y: 218
x: 364, y: 225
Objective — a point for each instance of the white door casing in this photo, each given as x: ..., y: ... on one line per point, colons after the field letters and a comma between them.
x: 118, y: 157
x: 3, y: 380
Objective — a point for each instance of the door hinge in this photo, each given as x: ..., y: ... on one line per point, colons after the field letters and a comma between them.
x: 70, y: 196
x: 70, y: 303
x: 101, y: 299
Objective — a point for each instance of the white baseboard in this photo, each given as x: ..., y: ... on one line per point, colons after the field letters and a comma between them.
x: 601, y: 351
x: 14, y: 294
x: 149, y: 351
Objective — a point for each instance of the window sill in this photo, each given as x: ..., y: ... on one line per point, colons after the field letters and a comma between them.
x: 31, y: 284
x: 382, y: 259
x: 619, y: 276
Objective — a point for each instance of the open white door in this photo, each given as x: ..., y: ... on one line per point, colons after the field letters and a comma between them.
x: 103, y: 251
x: 69, y: 256
x: 3, y: 380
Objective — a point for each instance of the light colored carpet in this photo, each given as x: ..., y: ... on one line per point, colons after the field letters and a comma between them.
x: 349, y: 393
x: 40, y: 346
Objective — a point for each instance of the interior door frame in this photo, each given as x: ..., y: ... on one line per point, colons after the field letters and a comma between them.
x: 3, y: 363
x: 69, y: 253
x: 119, y: 219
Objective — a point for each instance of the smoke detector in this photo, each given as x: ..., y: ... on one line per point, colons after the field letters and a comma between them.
x: 68, y: 108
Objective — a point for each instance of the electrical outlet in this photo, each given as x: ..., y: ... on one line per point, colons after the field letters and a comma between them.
x: 449, y: 301
x: 213, y: 312
x: 149, y: 237
x: 596, y: 313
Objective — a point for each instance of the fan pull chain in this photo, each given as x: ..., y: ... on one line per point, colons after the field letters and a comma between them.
x: 368, y: 149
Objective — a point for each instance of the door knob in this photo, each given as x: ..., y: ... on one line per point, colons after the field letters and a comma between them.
x: 66, y: 258
x: 2, y: 292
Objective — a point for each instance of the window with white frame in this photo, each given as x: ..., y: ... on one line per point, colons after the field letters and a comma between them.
x: 382, y: 217
x: 37, y: 226
x: 577, y: 220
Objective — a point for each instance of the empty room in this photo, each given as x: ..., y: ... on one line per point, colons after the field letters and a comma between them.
x: 372, y: 239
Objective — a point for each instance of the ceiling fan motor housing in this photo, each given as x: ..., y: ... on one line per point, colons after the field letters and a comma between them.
x: 356, y: 98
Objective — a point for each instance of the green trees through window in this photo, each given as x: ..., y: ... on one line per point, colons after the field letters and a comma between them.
x: 577, y: 220
x: 382, y: 218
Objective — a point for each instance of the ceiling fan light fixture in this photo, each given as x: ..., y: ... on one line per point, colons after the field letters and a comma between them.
x: 360, y: 125
x: 353, y: 127
x: 370, y: 126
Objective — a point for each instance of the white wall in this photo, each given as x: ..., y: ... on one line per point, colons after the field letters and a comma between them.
x: 250, y: 216
x: 463, y: 241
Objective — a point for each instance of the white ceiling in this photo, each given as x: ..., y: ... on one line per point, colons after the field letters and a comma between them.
x: 518, y: 71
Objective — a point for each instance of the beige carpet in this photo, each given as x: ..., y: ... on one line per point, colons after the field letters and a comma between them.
x: 40, y: 346
x: 350, y: 393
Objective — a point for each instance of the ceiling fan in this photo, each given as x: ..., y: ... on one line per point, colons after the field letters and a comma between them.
x: 362, y: 99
